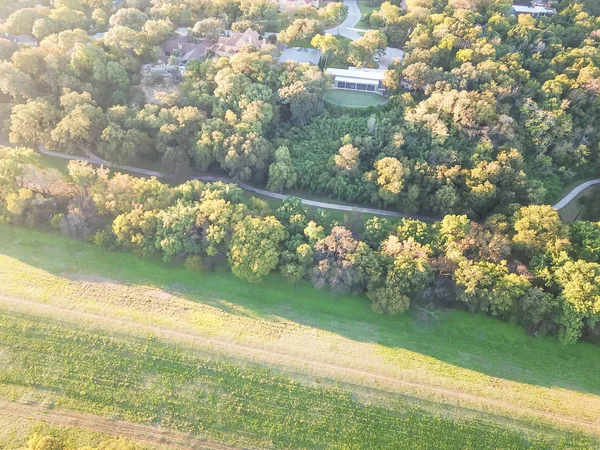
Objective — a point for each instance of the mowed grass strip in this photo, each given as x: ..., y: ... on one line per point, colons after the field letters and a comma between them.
x: 146, y: 381
x: 460, y: 352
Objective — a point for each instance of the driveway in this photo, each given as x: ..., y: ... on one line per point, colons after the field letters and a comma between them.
x: 347, y: 27
x: 391, y: 54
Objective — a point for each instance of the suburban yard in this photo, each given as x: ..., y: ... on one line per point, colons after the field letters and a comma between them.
x: 353, y: 99
x: 150, y: 343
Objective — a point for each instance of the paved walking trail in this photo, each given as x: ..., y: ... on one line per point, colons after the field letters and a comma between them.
x: 574, y: 193
x: 93, y: 159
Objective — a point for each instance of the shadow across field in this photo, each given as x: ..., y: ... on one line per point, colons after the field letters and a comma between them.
x: 459, y: 340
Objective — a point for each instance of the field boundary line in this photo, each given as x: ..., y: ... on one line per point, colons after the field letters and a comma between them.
x: 490, y: 402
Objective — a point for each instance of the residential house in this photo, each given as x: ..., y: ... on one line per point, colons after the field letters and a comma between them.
x: 230, y: 45
x: 359, y: 79
x: 186, y: 48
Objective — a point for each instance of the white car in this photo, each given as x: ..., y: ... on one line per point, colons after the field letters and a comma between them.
x: 376, y: 58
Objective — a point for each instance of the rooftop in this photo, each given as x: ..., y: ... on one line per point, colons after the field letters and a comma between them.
x: 534, y: 8
x: 301, y: 55
x: 358, y: 73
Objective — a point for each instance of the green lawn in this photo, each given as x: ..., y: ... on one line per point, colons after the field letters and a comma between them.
x: 365, y: 9
x: 302, y: 43
x: 54, y: 162
x: 475, y: 366
x: 353, y: 99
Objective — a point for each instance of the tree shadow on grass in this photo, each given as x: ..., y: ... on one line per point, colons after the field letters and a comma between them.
x: 474, y: 342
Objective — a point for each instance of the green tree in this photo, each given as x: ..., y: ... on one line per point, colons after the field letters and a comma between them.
x: 302, y: 89
x: 22, y: 20
x: 128, y: 17
x: 327, y: 44
x: 136, y: 231
x: 282, y: 174
x: 33, y: 122
x: 123, y: 146
x: 489, y: 288
x: 15, y: 83
x: 301, y: 29
x: 80, y: 127
x: 540, y: 229
x: 177, y: 232
x: 256, y: 247
x: 209, y: 28
x: 391, y: 175
x: 585, y: 238
x: 364, y: 49
x: 347, y: 159
x: 580, y: 285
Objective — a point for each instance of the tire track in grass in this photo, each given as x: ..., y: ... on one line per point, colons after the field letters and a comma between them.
x: 134, y: 431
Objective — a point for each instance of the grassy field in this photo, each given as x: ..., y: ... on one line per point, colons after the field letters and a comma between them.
x: 145, y: 381
x: 459, y: 368
x: 353, y: 99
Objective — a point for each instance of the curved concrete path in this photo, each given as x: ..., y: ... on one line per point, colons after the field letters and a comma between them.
x: 347, y: 27
x: 93, y: 159
x: 574, y: 193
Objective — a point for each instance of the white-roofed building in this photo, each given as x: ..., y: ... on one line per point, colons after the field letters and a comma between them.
x: 535, y: 9
x: 359, y: 79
